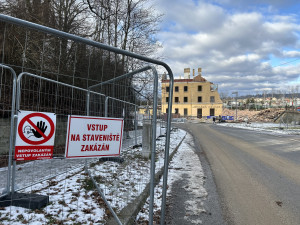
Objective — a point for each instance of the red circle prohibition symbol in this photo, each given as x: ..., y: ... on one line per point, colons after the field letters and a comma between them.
x: 27, y: 118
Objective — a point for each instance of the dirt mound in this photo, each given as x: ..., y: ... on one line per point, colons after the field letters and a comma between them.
x: 266, y: 115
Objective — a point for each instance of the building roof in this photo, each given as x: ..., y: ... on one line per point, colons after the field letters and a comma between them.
x: 198, y: 78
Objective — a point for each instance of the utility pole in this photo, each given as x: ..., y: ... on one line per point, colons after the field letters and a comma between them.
x: 236, y: 96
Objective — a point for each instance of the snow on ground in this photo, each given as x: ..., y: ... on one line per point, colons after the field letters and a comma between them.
x: 74, y: 199
x: 275, y: 128
x: 33, y: 172
x: 69, y: 203
x: 185, y: 165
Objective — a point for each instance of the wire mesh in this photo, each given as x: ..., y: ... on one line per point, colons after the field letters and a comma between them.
x: 63, y: 72
x: 37, y: 94
x: 6, y: 110
x: 124, y: 179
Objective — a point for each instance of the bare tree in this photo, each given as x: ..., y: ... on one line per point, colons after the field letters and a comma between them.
x: 25, y: 47
x: 129, y: 25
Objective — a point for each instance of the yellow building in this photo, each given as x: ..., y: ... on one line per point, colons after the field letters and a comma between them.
x: 148, y: 110
x: 194, y: 97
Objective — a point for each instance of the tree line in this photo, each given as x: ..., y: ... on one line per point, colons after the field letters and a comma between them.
x: 130, y: 25
x: 126, y: 24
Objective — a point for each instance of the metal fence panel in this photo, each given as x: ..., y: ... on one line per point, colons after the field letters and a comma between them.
x: 7, y: 109
x: 36, y: 93
x: 64, y: 84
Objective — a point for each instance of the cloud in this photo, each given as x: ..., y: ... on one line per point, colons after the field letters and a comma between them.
x: 186, y: 16
x: 230, y: 45
x: 291, y: 54
x: 257, y: 3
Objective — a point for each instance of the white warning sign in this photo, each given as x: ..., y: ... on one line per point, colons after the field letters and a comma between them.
x: 93, y: 136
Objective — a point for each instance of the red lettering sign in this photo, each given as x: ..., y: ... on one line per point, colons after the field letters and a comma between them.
x: 35, y: 135
x: 93, y: 137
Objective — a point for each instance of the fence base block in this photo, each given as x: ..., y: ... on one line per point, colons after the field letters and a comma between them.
x: 28, y: 201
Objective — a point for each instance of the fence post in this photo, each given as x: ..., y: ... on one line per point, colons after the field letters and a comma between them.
x: 88, y: 103
x: 159, y: 123
x: 167, y: 146
x: 154, y: 125
x: 147, y: 138
x: 135, y: 125
x: 18, y: 99
x: 106, y: 107
x: 87, y: 113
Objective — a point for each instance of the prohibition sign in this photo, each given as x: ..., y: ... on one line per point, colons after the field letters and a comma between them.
x: 28, y: 119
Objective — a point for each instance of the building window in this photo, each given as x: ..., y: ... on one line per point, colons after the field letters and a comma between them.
x: 199, y: 113
x: 212, y: 98
x: 185, y: 112
x: 212, y: 112
x: 176, y: 99
x: 168, y: 89
x: 200, y: 88
x: 176, y: 89
x: 185, y: 99
x: 176, y: 110
x: 167, y: 99
x: 199, y: 99
x: 166, y: 110
x: 185, y: 88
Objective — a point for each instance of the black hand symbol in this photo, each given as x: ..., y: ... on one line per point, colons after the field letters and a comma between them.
x: 42, y: 128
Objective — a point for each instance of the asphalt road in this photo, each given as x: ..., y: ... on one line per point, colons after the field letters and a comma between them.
x: 257, y: 175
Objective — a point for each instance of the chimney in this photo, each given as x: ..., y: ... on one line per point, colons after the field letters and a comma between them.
x: 193, y: 73
x: 199, y: 71
x: 187, y: 72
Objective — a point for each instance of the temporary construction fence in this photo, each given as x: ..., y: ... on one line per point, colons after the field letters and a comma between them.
x: 40, y: 87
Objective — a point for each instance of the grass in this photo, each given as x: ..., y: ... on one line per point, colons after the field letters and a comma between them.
x: 88, y: 184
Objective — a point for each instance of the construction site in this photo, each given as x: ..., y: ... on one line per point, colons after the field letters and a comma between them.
x: 277, y: 115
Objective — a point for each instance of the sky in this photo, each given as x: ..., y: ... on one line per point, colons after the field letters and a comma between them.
x: 246, y: 46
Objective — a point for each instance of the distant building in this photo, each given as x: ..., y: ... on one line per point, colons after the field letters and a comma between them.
x: 147, y: 111
x: 194, y: 97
